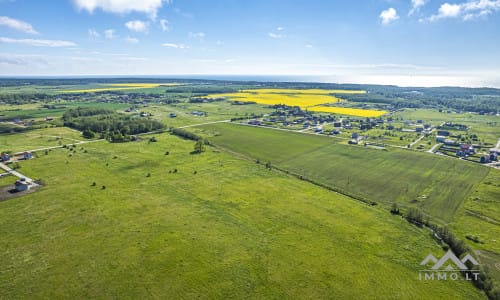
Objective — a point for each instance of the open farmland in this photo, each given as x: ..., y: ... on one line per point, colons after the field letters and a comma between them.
x: 437, y: 185
x: 120, y: 87
x: 308, y: 99
x: 232, y: 229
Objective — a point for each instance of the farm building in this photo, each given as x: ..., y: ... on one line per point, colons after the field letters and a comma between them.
x: 443, y: 133
x: 172, y: 115
x: 27, y: 155
x: 22, y: 185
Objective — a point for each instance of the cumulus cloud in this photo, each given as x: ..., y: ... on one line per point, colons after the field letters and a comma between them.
x: 93, y: 33
x: 416, y: 5
x: 176, y: 46
x: 137, y: 26
x: 164, y: 24
x: 110, y: 34
x: 466, y: 11
x: 388, y: 16
x: 17, y: 25
x: 37, y: 42
x: 149, y: 7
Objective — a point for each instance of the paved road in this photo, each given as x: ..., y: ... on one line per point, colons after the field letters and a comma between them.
x: 17, y: 174
x: 434, y: 148
x: 207, y: 123
x: 55, y: 147
x: 498, y: 145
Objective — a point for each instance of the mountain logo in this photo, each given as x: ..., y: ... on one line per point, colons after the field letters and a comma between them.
x: 450, y: 262
x: 449, y: 267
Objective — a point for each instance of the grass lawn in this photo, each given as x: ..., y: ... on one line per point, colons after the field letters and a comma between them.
x: 232, y: 229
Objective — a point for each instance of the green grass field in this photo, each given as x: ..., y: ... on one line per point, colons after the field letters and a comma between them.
x: 437, y: 185
x: 231, y: 230
x: 36, y: 111
x: 39, y: 138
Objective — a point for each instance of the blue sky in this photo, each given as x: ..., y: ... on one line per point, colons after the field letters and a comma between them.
x: 403, y: 42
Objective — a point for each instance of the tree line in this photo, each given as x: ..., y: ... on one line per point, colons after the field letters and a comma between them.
x: 104, y: 123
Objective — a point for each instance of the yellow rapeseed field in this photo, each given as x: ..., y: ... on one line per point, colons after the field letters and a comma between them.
x: 303, y: 91
x: 310, y: 99
x: 122, y: 86
x: 368, y: 113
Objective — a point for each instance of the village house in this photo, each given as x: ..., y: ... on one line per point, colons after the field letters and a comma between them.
x: 22, y: 185
x: 443, y: 133
x: 27, y: 155
x: 5, y: 157
x: 485, y: 159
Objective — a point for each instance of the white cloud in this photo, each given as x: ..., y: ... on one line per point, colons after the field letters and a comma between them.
x: 137, y: 26
x: 389, y: 15
x: 149, y: 7
x: 110, y: 34
x: 164, y: 25
x: 416, y: 5
x: 466, y: 11
x: 176, y: 46
x: 197, y: 35
x: 131, y: 40
x: 309, y: 46
x: 93, y: 33
x: 277, y: 33
x: 17, y: 25
x: 37, y: 42
x: 22, y: 59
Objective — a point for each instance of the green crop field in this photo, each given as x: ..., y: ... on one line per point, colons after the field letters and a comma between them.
x: 438, y: 185
x: 201, y: 226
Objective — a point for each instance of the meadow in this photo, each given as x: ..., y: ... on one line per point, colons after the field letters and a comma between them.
x: 38, y: 111
x: 39, y: 138
x: 200, y: 226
